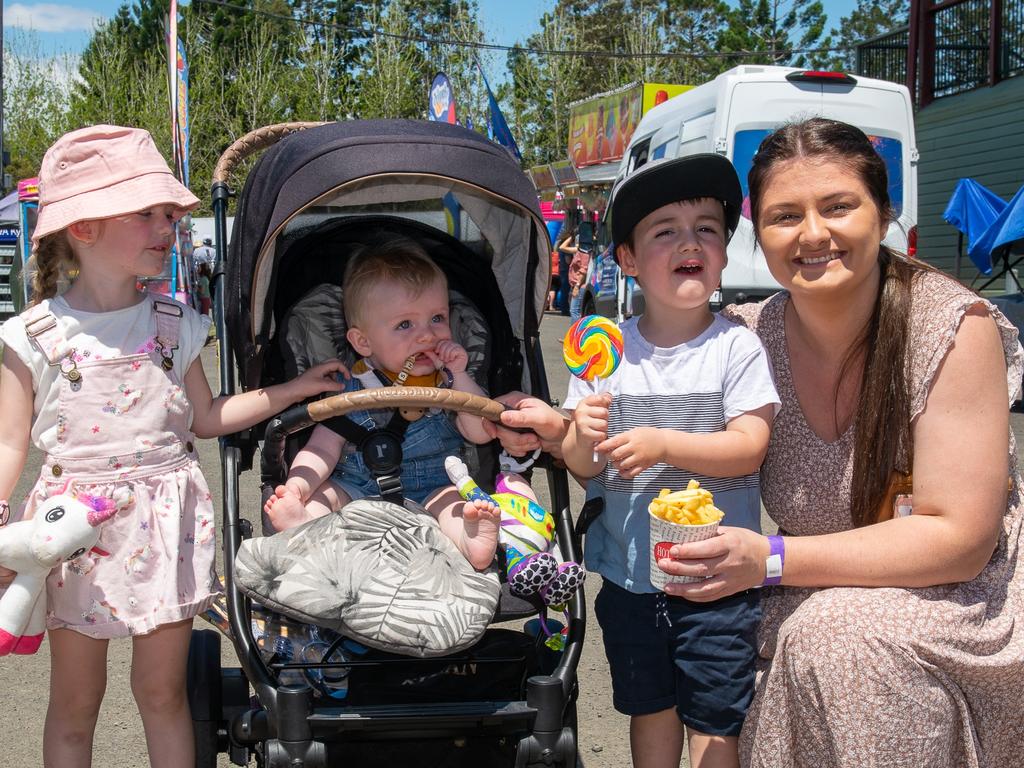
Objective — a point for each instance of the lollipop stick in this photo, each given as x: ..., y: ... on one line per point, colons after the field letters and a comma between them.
x: 597, y: 391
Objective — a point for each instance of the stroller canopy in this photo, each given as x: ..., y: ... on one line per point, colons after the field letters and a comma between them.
x: 404, y: 167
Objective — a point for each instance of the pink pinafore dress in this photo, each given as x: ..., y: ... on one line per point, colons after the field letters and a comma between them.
x: 123, y: 425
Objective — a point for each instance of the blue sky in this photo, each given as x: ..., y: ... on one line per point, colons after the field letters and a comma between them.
x: 64, y: 25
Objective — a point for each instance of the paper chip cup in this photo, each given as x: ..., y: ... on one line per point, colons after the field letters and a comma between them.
x: 663, y: 535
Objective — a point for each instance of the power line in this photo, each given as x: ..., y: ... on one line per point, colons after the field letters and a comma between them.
x: 369, y: 33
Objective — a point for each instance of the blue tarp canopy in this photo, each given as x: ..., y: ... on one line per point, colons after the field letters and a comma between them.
x: 988, y: 221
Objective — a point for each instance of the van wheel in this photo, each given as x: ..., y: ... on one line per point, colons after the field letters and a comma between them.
x: 204, y: 695
x: 588, y: 307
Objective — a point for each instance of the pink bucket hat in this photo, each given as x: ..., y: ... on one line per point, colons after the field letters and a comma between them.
x: 103, y: 171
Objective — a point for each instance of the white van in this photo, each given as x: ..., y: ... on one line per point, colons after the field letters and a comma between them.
x: 733, y: 113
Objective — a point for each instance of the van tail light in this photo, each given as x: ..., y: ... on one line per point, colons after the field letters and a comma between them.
x: 660, y: 97
x: 912, y: 242
x: 817, y: 76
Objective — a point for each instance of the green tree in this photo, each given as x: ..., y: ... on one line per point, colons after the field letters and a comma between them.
x: 118, y: 84
x: 695, y: 27
x: 768, y: 31
x: 35, y: 95
x: 392, y: 83
x: 545, y: 84
x: 329, y: 48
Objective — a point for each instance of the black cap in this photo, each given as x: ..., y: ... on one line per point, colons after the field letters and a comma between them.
x: 207, y: 241
x: 661, y: 182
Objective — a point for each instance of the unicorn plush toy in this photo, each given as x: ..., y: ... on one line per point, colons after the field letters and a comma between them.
x: 64, y: 528
x: 533, y: 560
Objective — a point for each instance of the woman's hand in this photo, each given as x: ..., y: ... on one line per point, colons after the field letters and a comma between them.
x: 547, y: 425
x: 320, y: 378
x: 734, y: 560
x: 634, y: 451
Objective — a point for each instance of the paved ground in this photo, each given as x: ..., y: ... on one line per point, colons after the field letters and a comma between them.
x: 603, y: 734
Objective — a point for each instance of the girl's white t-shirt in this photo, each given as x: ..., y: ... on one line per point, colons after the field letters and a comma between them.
x: 95, y: 336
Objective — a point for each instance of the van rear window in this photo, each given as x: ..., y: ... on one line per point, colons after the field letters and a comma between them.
x: 890, y: 150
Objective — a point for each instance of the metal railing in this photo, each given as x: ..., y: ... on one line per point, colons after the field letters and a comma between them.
x: 961, y: 47
x: 885, y: 57
x: 1011, y: 59
x: 957, y: 45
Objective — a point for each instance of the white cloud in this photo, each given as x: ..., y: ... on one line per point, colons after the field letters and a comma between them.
x: 51, y: 17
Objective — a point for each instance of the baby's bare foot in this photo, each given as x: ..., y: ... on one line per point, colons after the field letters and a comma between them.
x: 481, y: 532
x: 285, y: 510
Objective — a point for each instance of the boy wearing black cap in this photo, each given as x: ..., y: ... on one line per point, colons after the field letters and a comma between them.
x: 692, y: 398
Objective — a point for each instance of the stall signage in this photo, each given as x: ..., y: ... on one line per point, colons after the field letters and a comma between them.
x: 8, y: 234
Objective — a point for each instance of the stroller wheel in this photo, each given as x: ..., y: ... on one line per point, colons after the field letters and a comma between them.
x: 204, y: 695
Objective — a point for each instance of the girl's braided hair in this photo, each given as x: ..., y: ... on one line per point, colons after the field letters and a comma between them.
x: 53, y: 258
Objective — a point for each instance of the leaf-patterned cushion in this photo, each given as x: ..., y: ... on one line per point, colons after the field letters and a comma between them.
x: 381, y: 574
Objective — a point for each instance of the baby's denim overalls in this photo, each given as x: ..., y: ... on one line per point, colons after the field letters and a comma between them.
x: 427, y: 442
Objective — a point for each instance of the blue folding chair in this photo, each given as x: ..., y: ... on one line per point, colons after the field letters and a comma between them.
x: 972, y: 209
x: 992, y: 227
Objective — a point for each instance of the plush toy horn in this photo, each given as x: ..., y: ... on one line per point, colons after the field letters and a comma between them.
x: 101, y: 508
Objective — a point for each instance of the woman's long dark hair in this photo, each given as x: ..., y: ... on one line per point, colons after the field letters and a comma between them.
x: 883, y: 439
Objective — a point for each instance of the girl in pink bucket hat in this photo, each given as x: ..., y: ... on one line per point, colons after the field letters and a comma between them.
x: 107, y: 382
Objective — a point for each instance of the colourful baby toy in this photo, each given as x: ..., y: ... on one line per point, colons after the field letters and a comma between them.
x: 64, y: 528
x: 533, y: 560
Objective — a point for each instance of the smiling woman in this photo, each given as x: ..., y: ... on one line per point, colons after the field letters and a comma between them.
x: 892, y: 635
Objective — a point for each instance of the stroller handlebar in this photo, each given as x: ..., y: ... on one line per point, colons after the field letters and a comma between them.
x: 252, y: 142
x: 405, y: 397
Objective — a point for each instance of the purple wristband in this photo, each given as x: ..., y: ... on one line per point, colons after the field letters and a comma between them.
x: 774, y: 562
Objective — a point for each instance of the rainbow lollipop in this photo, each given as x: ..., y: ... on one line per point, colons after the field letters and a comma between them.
x: 592, y: 349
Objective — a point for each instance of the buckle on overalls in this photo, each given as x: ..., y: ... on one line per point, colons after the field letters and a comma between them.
x: 46, y: 322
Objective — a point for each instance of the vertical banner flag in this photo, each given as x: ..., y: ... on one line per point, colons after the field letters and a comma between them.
x: 441, y: 100
x: 441, y: 109
x: 182, y: 113
x: 182, y: 136
x: 497, y: 128
x: 179, y: 277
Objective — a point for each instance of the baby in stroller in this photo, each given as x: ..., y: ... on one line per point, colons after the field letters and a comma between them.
x: 396, y: 309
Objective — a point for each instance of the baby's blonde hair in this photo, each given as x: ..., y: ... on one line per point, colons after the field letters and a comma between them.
x: 400, y: 262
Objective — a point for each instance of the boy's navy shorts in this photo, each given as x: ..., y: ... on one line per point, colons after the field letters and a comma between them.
x: 666, y: 652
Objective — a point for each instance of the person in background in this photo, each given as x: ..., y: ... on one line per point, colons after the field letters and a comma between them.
x: 577, y: 279
x: 205, y: 254
x: 566, y: 250
x: 203, y: 289
x: 553, y: 285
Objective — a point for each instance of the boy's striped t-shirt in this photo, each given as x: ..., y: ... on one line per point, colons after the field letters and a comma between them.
x: 697, y: 386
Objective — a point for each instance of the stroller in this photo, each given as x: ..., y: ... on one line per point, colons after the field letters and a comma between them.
x: 317, y: 195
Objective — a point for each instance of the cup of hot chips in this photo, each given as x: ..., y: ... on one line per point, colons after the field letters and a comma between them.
x: 678, y: 518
